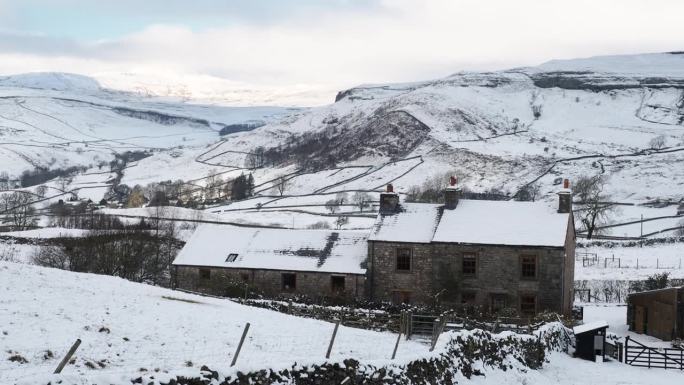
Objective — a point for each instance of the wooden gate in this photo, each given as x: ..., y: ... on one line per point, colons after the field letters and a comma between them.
x: 638, y: 354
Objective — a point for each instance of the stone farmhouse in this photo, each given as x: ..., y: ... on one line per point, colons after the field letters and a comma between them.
x: 498, y: 255
x: 493, y: 254
x: 218, y: 258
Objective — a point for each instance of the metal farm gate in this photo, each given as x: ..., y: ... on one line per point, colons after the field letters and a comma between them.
x: 638, y: 354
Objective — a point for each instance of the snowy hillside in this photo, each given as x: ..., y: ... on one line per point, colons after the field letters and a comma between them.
x: 506, y: 129
x: 498, y: 131
x: 53, y: 120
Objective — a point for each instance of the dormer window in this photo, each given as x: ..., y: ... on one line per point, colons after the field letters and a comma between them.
x: 231, y: 257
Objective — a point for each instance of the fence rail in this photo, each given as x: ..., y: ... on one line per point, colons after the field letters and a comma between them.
x: 638, y: 354
x: 423, y: 324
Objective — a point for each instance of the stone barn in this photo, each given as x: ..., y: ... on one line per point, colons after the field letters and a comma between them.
x: 499, y: 255
x: 315, y: 263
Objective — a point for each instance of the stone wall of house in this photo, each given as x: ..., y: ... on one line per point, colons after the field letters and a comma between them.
x: 569, y: 272
x: 437, y: 269
x: 386, y: 283
x: 270, y: 282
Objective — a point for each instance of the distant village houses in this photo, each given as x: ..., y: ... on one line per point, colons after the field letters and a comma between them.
x: 497, y: 255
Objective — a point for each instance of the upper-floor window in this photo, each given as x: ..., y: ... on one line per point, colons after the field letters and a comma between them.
x: 469, y: 264
x: 528, y: 267
x: 404, y: 259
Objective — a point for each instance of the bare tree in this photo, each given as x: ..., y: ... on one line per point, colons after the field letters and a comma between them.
x: 657, y: 142
x: 341, y: 222
x: 596, y: 206
x: 4, y: 181
x: 19, y: 209
x: 342, y: 197
x: 332, y: 205
x: 361, y: 200
x: 63, y: 183
x: 680, y: 231
x: 529, y: 192
x: 281, y: 185
x: 41, y: 190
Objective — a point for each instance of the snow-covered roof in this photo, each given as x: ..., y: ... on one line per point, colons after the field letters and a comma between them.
x: 475, y: 222
x: 587, y: 327
x: 413, y: 222
x: 503, y: 223
x: 277, y: 249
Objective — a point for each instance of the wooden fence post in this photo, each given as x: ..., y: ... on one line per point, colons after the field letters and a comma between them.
x: 620, y: 352
x: 67, y: 357
x: 438, y: 331
x: 332, y: 339
x: 396, y: 346
x: 239, y: 347
x: 409, y: 324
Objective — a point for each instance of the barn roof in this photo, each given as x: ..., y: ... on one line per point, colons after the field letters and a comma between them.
x: 414, y: 223
x: 508, y: 223
x: 275, y: 249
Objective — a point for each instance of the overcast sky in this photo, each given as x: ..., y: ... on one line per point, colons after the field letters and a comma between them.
x: 324, y: 44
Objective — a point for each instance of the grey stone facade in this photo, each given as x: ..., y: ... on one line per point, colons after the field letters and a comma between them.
x: 218, y: 281
x: 438, y: 268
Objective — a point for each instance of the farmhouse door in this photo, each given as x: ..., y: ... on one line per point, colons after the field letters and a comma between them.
x: 639, y: 320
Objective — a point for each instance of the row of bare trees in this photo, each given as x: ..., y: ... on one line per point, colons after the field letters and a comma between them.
x: 17, y: 209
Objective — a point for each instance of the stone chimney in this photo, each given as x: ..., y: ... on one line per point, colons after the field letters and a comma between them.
x: 565, y: 198
x: 389, y: 200
x: 452, y: 194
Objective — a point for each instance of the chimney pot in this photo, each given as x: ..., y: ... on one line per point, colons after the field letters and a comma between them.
x: 389, y: 200
x: 565, y: 198
x: 453, y: 180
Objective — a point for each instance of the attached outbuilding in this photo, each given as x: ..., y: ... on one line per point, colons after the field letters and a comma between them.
x: 315, y: 263
x: 657, y: 313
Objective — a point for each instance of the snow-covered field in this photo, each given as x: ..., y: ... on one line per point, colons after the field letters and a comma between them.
x: 629, y: 263
x: 129, y: 329
x: 129, y: 326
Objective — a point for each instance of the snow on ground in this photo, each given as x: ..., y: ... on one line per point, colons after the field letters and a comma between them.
x: 133, y: 328
x: 48, y: 232
x: 129, y: 326
x: 292, y: 219
x: 620, y: 263
x: 169, y: 212
x: 616, y: 316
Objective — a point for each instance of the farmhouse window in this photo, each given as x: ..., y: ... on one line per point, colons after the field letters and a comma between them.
x: 289, y: 281
x: 469, y: 264
x: 528, y: 267
x: 468, y: 297
x: 498, y: 302
x: 337, y: 283
x: 401, y: 296
x: 231, y: 257
x: 404, y: 259
x: 205, y: 273
x: 528, y: 304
